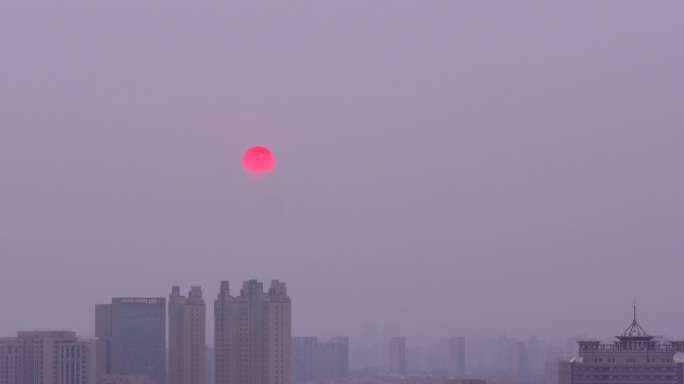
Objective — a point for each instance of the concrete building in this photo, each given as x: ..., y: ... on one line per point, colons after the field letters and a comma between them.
x: 252, y: 335
x: 633, y: 358
x: 49, y: 357
x: 302, y: 355
x: 187, y: 341
x: 456, y: 357
x: 131, y: 338
x: 397, y: 355
x: 11, y: 360
x: 331, y: 359
x: 516, y: 360
x: 313, y: 360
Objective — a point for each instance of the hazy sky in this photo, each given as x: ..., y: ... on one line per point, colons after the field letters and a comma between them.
x: 451, y: 168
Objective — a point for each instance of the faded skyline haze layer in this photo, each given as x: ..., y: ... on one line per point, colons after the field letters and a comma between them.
x: 441, y: 168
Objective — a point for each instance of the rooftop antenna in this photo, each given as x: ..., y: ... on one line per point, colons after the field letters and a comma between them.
x: 635, y: 329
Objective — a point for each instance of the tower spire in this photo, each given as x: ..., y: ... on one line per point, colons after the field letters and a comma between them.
x: 634, y: 329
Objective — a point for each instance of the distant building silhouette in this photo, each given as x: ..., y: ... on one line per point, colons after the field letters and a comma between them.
x: 397, y: 355
x: 331, y: 359
x: 457, y: 357
x: 633, y: 358
x: 131, y: 336
x: 313, y: 360
x: 516, y: 360
x: 187, y: 341
x: 303, y: 358
x: 252, y: 335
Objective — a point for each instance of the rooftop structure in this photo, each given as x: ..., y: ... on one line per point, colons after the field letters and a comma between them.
x: 635, y: 357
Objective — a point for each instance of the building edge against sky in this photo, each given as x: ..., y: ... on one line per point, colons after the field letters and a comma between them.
x: 187, y: 340
x: 255, y: 327
x: 131, y: 337
x: 252, y: 338
x: 634, y: 357
x: 252, y: 334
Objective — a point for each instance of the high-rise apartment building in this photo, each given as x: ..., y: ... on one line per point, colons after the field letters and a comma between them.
x: 334, y: 355
x: 457, y: 357
x: 131, y: 336
x: 303, y: 358
x: 51, y: 357
x: 187, y: 348
x: 11, y: 360
x: 397, y: 355
x: 252, y: 335
x: 318, y: 361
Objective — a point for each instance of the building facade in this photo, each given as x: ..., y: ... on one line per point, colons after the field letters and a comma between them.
x: 456, y: 357
x: 517, y: 361
x: 332, y: 358
x: 313, y: 360
x: 11, y: 360
x: 46, y: 357
x: 187, y: 341
x: 302, y: 355
x: 633, y: 358
x: 252, y: 335
x: 131, y: 338
x: 397, y: 355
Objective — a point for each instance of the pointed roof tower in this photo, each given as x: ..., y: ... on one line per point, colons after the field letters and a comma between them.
x: 634, y: 331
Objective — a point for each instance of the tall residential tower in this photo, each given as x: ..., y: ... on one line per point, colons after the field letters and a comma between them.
x: 252, y: 335
x: 187, y: 319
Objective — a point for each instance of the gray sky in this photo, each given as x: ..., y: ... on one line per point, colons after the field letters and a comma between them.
x: 452, y: 168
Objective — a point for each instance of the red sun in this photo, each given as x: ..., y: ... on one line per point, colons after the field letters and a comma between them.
x: 258, y: 159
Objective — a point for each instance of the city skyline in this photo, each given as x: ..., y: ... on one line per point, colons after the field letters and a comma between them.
x: 385, y: 332
x: 256, y: 324
x: 489, y: 166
